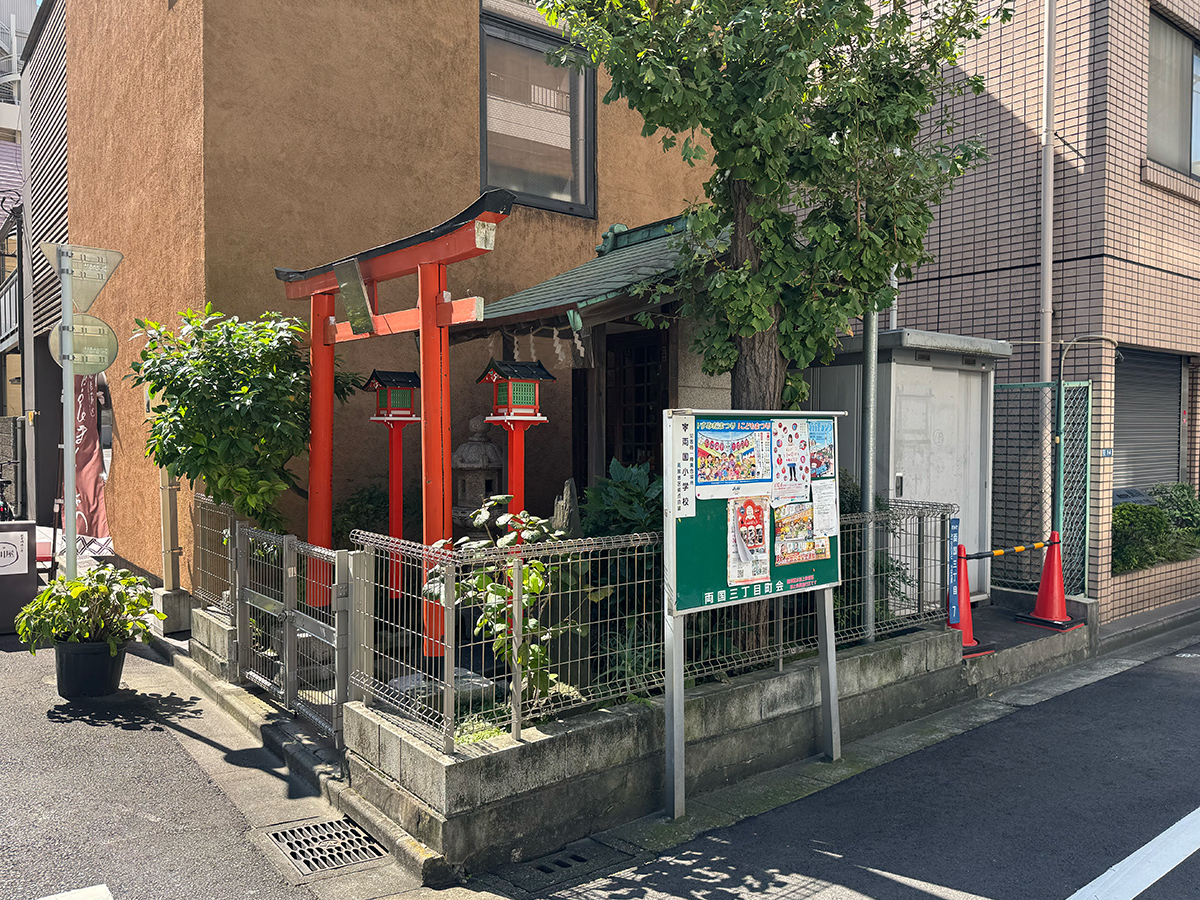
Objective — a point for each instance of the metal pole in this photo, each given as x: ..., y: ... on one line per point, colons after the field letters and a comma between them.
x: 673, y: 647
x: 518, y: 600
x: 921, y: 565
x: 168, y: 490
x: 291, y: 637
x: 831, y: 724
x: 870, y: 384
x: 67, y: 348
x: 341, y: 650
x: 1046, y: 326
x: 892, y: 315
x: 448, y: 700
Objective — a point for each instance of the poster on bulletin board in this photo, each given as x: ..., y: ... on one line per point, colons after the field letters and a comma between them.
x: 751, y: 505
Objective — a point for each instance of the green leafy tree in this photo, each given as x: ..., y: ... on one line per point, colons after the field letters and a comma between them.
x: 827, y: 107
x: 231, y: 405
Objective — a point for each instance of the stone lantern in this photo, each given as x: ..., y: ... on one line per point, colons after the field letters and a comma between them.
x: 476, y: 467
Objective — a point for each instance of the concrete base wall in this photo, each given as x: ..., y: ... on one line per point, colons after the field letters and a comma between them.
x: 214, y: 643
x: 501, y: 800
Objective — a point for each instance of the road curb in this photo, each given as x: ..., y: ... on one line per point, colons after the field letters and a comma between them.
x: 313, y: 758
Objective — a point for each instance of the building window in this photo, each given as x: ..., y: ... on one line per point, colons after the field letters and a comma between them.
x: 1173, y: 119
x: 537, y: 131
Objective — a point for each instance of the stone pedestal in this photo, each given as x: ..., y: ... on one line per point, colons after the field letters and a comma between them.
x: 178, y: 607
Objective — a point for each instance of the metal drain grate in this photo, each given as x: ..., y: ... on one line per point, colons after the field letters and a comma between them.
x: 572, y: 863
x: 326, y: 845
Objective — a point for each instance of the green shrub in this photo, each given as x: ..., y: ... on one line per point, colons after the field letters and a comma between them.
x: 629, y: 501
x: 1178, y: 501
x: 1144, y: 536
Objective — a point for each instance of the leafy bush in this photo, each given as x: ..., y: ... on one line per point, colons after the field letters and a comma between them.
x: 1144, y: 536
x: 231, y: 405
x: 100, y: 605
x: 629, y: 501
x: 366, y: 508
x: 1178, y: 501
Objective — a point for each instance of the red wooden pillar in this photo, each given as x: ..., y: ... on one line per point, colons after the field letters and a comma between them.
x: 435, y: 441
x: 435, y: 415
x: 396, y: 481
x: 320, y: 441
x: 516, y: 464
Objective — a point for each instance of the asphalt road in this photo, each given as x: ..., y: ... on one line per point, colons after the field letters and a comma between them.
x: 103, y: 791
x: 1033, y: 806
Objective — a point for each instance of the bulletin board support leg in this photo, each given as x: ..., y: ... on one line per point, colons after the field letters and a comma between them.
x: 673, y: 646
x: 831, y: 723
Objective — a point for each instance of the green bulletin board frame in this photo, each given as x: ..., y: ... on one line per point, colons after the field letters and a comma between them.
x: 699, y: 543
x: 706, y: 526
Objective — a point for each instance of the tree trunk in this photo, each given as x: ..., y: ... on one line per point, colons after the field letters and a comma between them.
x: 760, y: 371
x: 756, y: 383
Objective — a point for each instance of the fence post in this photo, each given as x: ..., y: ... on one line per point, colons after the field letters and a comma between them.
x: 450, y: 617
x: 920, y: 565
x: 361, y: 631
x: 239, y: 555
x: 518, y: 610
x: 779, y: 632
x: 868, y: 582
x: 290, y: 639
x: 944, y: 561
x: 342, y: 645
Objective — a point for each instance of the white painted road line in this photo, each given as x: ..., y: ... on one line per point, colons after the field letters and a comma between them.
x: 1144, y: 866
x: 99, y: 892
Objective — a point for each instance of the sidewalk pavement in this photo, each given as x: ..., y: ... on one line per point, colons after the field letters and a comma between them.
x: 166, y: 789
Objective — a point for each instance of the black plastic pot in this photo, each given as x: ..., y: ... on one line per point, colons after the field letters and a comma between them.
x: 87, y: 670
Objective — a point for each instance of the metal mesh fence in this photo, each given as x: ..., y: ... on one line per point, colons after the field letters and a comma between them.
x: 1022, y: 479
x: 1077, y: 487
x: 315, y: 636
x: 587, y: 617
x: 262, y: 589
x: 212, y: 557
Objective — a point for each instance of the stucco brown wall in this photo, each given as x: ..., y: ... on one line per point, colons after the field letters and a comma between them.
x: 134, y: 117
x: 330, y: 128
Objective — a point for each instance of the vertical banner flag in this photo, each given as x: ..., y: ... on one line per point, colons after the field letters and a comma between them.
x: 952, y: 562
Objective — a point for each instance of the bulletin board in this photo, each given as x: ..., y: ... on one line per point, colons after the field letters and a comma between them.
x: 751, y: 505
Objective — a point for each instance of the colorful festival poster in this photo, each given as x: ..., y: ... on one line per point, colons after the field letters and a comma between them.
x: 733, y: 457
x: 793, y: 532
x: 820, y: 448
x: 790, y: 461
x: 749, y: 540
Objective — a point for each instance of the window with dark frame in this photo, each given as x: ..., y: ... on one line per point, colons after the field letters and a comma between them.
x: 1173, y: 114
x: 536, y: 120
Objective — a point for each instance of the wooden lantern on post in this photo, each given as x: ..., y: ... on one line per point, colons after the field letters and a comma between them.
x: 516, y: 405
x: 395, y: 400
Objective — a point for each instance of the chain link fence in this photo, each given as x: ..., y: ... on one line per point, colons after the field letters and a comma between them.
x: 1023, y: 461
x: 12, y: 454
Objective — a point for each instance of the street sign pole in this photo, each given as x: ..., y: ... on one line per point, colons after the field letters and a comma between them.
x: 67, y: 343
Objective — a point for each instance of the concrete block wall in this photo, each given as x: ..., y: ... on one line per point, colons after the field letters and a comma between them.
x: 500, y: 800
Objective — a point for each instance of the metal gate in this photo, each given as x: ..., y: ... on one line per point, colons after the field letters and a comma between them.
x: 12, y: 454
x: 292, y: 614
x: 1024, y: 468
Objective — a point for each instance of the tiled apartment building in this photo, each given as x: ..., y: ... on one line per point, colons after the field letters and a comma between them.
x: 1126, y: 258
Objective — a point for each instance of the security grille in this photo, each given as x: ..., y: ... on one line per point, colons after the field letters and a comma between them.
x: 322, y: 846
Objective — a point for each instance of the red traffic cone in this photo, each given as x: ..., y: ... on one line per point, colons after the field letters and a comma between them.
x: 964, y: 625
x: 1050, y: 610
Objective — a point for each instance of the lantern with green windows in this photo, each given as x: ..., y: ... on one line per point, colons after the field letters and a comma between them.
x: 395, y: 393
x: 516, y: 387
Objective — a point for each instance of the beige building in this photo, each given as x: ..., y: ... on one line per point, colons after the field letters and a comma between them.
x: 236, y: 137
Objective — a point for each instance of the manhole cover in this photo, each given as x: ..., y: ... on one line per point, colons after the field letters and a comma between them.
x: 326, y: 845
x: 569, y: 864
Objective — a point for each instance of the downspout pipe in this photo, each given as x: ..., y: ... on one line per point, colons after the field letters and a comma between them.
x: 1046, y: 324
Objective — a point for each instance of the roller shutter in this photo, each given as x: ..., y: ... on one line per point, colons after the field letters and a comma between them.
x: 1148, y: 416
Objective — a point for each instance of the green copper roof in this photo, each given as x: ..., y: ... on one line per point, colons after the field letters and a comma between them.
x: 625, y: 258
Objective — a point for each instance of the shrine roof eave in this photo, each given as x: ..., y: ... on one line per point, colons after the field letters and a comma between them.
x: 600, y: 290
x: 492, y: 206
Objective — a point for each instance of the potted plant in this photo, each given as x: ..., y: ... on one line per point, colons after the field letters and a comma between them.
x: 89, y: 620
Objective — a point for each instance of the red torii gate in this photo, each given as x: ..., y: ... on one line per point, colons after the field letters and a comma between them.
x: 469, y: 234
